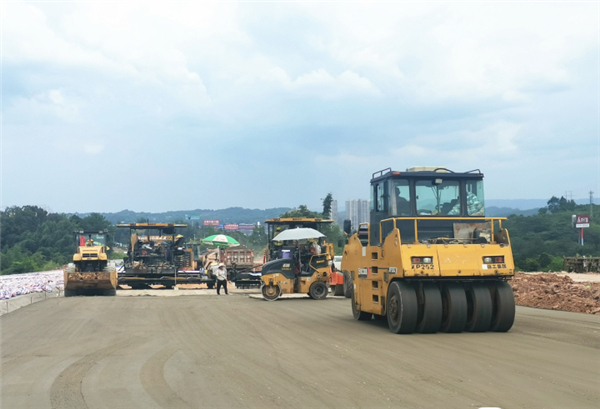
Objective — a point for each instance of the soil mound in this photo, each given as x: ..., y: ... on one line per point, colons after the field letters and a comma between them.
x: 554, y: 292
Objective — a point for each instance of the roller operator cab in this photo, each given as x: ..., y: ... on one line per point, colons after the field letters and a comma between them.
x: 429, y: 260
x: 296, y: 266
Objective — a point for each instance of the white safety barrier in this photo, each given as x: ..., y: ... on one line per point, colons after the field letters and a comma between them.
x: 20, y: 284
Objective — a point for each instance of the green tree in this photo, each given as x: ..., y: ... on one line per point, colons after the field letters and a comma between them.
x: 327, y: 206
x: 302, y: 211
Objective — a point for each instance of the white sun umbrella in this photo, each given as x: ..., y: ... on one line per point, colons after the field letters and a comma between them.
x: 299, y: 233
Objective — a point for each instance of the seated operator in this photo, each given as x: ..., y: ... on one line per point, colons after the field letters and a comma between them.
x: 402, y: 205
x: 474, y: 206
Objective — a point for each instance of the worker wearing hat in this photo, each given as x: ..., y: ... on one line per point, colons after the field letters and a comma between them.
x: 221, y: 274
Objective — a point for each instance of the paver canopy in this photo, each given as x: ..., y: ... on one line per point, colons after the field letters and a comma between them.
x: 299, y: 233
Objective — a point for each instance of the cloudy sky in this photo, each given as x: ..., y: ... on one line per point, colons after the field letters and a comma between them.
x: 153, y: 106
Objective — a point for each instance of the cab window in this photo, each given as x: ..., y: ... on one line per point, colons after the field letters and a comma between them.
x: 475, y: 198
x: 400, y: 198
x: 438, y: 197
x: 380, y: 197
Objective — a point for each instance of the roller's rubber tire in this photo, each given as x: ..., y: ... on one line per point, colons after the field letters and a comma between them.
x: 503, y: 312
x: 348, y: 285
x: 358, y: 314
x: 479, y: 308
x: 402, y: 309
x: 338, y: 290
x: 318, y: 290
x: 454, y: 308
x: 430, y: 309
x: 378, y: 317
x: 271, y: 292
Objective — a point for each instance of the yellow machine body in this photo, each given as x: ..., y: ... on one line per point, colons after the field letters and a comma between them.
x: 429, y: 260
x: 89, y: 272
x: 293, y: 266
x: 374, y: 268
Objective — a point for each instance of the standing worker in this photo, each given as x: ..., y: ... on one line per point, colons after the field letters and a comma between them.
x: 221, y: 274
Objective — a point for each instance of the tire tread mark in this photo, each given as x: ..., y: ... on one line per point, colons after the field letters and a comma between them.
x: 152, y: 377
x: 66, y: 392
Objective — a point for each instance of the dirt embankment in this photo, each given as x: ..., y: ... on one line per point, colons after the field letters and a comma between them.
x: 556, y: 292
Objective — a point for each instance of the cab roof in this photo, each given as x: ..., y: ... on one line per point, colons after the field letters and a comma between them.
x: 425, y: 173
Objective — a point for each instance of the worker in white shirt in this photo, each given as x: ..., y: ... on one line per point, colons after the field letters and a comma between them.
x: 221, y: 274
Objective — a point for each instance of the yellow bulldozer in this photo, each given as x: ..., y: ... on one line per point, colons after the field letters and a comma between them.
x: 90, y: 272
x: 429, y: 260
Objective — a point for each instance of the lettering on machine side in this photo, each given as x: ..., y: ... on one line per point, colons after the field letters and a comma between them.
x: 422, y: 266
x: 363, y: 272
x: 493, y: 266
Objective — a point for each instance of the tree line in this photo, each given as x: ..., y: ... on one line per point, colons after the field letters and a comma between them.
x: 32, y: 239
x: 540, y: 242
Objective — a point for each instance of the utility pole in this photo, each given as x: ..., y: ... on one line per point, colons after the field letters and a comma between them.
x: 591, y: 203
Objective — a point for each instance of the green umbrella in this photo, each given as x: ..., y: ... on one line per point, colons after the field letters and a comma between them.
x: 220, y: 240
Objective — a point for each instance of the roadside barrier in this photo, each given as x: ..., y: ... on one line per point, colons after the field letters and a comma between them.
x: 20, y: 284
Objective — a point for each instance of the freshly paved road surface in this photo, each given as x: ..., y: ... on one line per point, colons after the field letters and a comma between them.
x: 237, y: 352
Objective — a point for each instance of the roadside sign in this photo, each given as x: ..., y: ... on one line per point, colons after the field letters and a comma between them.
x: 582, y: 221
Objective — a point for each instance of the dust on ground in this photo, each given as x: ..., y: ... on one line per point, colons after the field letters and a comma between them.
x: 558, y: 291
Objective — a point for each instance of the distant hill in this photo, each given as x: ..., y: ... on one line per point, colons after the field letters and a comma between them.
x: 519, y: 204
x: 229, y: 215
x: 523, y: 207
x: 494, y: 211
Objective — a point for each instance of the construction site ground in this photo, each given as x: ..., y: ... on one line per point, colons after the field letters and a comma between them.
x: 208, y: 351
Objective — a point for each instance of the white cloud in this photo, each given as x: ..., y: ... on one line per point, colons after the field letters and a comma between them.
x: 45, y: 107
x: 93, y: 148
x: 353, y: 87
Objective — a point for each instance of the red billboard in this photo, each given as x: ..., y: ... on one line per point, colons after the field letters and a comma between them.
x: 231, y: 227
x: 582, y: 221
x: 210, y: 222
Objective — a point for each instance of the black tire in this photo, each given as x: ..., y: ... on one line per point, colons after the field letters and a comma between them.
x: 358, y: 314
x: 318, y: 290
x: 503, y: 315
x: 378, y: 317
x: 110, y: 293
x: 271, y: 292
x: 348, y: 285
x: 479, y: 308
x: 402, y: 309
x: 338, y: 290
x: 454, y: 308
x: 430, y: 309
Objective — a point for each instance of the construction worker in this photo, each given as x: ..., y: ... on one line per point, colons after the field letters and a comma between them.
x: 89, y: 242
x: 221, y: 274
